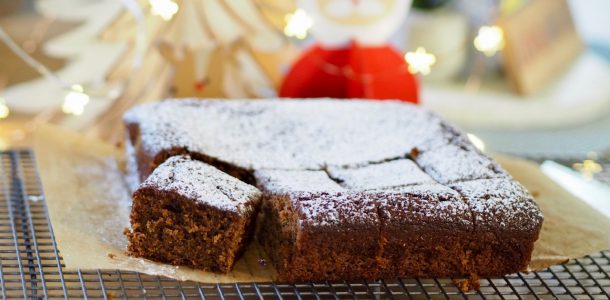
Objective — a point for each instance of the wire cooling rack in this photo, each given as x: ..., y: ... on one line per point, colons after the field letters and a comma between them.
x: 32, y: 268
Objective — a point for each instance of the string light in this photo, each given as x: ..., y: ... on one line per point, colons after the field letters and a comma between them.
x: 298, y: 24
x: 166, y: 9
x: 75, y: 101
x: 420, y: 61
x: 476, y: 141
x: 4, y: 111
x: 489, y: 40
x: 509, y: 6
x: 588, y: 168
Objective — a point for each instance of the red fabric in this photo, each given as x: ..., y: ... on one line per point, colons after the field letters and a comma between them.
x: 351, y: 72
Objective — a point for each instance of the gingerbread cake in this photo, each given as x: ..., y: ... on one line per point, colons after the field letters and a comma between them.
x: 350, y: 189
x: 190, y: 213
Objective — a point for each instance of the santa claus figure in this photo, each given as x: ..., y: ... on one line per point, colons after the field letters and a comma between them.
x: 351, y: 57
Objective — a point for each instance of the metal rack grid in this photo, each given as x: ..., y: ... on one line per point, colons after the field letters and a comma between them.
x: 31, y: 267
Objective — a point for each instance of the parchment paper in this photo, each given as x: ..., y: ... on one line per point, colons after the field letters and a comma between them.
x: 89, y: 205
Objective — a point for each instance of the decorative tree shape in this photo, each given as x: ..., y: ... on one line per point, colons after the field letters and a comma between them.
x: 211, y: 48
x: 223, y: 48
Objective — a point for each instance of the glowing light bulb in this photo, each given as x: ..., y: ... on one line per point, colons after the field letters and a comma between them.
x: 75, y: 101
x: 4, y: 111
x: 489, y: 40
x: 166, y: 9
x: 298, y: 24
x: 420, y: 61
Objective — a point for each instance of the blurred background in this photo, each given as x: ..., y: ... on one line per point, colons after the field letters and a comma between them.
x: 524, y: 77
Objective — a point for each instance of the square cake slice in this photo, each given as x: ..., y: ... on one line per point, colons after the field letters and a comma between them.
x: 313, y: 228
x: 426, y: 231
x: 507, y: 223
x: 190, y: 213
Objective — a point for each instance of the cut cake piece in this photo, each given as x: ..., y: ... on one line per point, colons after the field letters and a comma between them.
x: 312, y: 228
x: 507, y: 223
x: 190, y: 213
x: 426, y: 232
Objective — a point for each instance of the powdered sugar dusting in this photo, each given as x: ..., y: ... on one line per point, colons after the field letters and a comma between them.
x: 452, y: 163
x: 286, y: 134
x: 344, y: 209
x: 133, y: 176
x: 427, y: 204
x: 292, y: 144
x: 285, y: 181
x: 389, y: 174
x: 500, y: 204
x: 202, y: 182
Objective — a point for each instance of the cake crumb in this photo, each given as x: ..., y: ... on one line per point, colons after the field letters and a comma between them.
x: 469, y: 284
x: 414, y: 153
x: 535, y: 194
x: 111, y: 255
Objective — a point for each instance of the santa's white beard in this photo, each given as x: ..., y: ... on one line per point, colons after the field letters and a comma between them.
x: 332, y: 34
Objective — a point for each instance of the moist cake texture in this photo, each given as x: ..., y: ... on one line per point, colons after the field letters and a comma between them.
x: 350, y: 189
x: 190, y: 213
